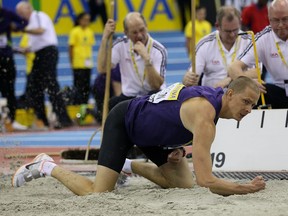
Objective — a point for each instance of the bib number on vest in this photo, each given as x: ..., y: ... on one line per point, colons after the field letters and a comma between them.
x: 168, y: 94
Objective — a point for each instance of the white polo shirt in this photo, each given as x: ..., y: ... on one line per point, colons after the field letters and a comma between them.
x: 133, y: 81
x: 48, y: 38
x: 212, y: 58
x: 269, y: 55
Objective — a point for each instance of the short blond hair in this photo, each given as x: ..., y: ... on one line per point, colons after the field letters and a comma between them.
x: 241, y: 83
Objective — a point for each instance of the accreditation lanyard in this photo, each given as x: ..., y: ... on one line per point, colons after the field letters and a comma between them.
x: 281, y: 54
x: 134, y: 61
x: 223, y: 53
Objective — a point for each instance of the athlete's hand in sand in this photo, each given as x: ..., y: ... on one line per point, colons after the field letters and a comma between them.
x: 258, y: 183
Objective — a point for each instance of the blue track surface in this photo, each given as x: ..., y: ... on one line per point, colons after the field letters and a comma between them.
x: 69, y: 139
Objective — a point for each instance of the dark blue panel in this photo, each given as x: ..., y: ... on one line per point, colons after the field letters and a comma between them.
x: 10, y: 4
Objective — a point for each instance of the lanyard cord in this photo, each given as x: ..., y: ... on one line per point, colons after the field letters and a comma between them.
x: 281, y: 54
x: 223, y: 53
x: 134, y: 61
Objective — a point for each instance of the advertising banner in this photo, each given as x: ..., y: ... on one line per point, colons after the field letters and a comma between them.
x: 161, y: 15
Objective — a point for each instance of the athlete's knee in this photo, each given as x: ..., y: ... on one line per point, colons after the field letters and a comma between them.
x: 177, y: 175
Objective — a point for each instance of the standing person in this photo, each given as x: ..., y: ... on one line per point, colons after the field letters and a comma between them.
x: 81, y: 41
x: 43, y: 41
x: 255, y: 16
x: 9, y: 22
x: 217, y: 50
x: 22, y: 100
x: 272, y: 49
x: 202, y: 28
x: 160, y: 125
x: 98, y: 7
x: 142, y: 60
x: 183, y: 6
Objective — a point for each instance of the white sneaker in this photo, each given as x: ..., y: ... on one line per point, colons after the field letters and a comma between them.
x: 31, y: 170
x: 17, y: 126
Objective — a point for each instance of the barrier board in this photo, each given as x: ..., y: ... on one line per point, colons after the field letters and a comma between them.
x: 258, y: 142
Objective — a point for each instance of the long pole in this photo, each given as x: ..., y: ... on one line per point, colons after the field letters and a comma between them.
x: 193, y: 40
x: 257, y: 64
x: 107, y: 84
x: 108, y: 71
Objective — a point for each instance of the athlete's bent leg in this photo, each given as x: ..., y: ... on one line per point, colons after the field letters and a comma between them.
x: 114, y: 148
x: 169, y: 175
x: 105, y: 180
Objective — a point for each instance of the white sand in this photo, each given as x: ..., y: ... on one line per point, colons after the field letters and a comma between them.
x: 140, y: 197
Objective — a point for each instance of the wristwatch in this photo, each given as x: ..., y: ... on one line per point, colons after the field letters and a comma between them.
x: 148, y: 62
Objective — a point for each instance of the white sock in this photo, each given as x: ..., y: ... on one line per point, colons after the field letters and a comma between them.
x: 127, y: 166
x: 47, y: 168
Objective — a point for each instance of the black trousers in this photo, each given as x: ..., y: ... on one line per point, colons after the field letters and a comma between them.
x: 275, y: 96
x: 98, y: 9
x: 117, y: 99
x: 7, y: 83
x: 43, y: 78
x: 183, y: 5
x: 82, y: 85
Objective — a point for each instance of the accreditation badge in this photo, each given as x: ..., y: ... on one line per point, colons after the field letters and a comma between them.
x: 88, y: 62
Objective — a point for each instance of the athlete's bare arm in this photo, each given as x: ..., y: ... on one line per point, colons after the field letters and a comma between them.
x: 197, y: 115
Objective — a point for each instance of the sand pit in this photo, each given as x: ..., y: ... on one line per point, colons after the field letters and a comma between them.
x: 47, y: 197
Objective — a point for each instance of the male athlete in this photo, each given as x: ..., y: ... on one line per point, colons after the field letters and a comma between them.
x: 160, y: 125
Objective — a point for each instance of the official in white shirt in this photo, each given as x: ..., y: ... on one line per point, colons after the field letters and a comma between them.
x: 43, y: 41
x: 142, y: 59
x: 272, y: 49
x: 216, y: 51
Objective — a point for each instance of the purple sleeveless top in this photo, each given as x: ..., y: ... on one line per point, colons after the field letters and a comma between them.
x: 159, y: 124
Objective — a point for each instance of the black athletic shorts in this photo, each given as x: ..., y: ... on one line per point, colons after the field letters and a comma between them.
x: 116, y: 142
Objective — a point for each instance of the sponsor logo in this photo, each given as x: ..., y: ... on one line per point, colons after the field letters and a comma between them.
x: 215, y: 62
x: 274, y: 55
